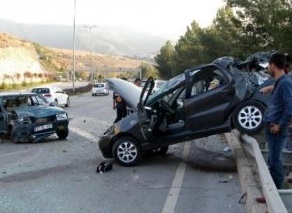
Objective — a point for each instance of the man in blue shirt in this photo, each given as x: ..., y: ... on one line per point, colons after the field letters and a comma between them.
x: 278, y: 116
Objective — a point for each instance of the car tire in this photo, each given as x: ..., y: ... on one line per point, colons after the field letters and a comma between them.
x: 10, y: 133
x: 127, y: 151
x: 68, y: 102
x: 62, y: 134
x: 248, y: 117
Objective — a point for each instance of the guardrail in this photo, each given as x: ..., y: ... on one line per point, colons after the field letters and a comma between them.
x: 248, y: 154
x: 274, y: 201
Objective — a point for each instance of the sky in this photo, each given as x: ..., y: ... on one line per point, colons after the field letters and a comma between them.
x: 165, y: 18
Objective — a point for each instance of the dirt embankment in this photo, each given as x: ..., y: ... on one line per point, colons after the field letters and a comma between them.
x: 19, y: 61
x: 23, y: 61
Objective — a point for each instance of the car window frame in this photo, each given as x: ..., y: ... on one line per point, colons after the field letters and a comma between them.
x: 201, y: 75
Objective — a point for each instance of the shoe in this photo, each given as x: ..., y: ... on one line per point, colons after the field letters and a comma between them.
x: 261, y: 199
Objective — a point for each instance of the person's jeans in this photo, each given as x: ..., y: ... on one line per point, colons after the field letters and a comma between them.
x: 275, y: 146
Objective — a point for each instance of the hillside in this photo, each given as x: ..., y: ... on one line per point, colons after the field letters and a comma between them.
x: 21, y: 60
x: 17, y: 58
x: 99, y: 61
x: 105, y: 39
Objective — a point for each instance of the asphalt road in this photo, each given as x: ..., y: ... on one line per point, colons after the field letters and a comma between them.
x: 59, y: 176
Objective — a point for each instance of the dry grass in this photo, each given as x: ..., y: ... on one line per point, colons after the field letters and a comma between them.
x: 8, y: 40
x: 99, y: 61
x: 61, y: 59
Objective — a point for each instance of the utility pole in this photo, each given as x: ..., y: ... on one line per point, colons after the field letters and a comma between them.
x: 73, y: 75
x: 91, y: 64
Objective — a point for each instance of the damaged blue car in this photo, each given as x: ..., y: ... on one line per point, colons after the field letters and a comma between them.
x: 27, y: 117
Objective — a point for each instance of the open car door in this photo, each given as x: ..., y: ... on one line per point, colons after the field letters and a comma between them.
x: 144, y: 112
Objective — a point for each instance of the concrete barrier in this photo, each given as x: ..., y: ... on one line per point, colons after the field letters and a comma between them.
x: 255, y: 177
x: 247, y: 174
x: 273, y: 199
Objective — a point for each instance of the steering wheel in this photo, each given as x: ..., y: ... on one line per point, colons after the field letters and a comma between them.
x: 167, y: 107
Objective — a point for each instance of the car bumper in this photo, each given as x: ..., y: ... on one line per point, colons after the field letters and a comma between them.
x: 100, y: 93
x: 105, y: 143
x: 27, y: 132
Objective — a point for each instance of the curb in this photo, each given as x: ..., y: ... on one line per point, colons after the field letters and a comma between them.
x: 248, y: 176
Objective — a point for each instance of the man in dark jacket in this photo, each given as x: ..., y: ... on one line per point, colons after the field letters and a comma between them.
x: 278, y: 116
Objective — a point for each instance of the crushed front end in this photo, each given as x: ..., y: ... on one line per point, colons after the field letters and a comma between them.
x: 31, y: 129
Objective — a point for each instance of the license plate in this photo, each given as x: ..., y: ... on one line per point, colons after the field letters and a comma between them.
x: 43, y: 127
x: 61, y: 127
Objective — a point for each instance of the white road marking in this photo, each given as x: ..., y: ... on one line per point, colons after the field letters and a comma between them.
x: 173, y: 193
x: 84, y: 134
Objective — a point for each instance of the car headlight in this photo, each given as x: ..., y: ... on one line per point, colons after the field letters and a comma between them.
x: 62, y: 116
x: 23, y: 120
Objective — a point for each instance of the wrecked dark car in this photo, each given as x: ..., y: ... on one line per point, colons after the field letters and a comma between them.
x: 204, y: 100
x: 27, y: 117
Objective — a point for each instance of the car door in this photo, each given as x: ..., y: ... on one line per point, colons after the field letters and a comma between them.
x: 208, y: 95
x: 144, y: 112
x: 61, y: 96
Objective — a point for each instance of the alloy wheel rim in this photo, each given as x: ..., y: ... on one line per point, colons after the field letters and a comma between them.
x: 250, y: 117
x: 127, y: 152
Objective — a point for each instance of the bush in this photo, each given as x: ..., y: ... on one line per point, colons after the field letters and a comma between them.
x: 3, y: 85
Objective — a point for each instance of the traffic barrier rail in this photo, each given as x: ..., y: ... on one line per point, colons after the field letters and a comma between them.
x: 274, y: 201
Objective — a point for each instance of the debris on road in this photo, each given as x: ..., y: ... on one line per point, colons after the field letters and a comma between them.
x: 104, y: 167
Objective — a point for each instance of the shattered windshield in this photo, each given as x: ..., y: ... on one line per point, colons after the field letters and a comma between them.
x: 168, y: 85
x: 171, y: 84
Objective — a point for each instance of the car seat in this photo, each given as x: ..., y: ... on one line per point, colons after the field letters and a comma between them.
x: 9, y: 106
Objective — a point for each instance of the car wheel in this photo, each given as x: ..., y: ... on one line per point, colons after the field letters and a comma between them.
x: 248, y: 117
x: 63, y: 134
x: 68, y: 102
x: 127, y: 151
x: 11, y: 134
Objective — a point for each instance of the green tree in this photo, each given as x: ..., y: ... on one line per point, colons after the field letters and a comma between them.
x: 189, y: 49
x: 266, y: 24
x: 225, y: 39
x: 148, y: 70
x: 165, y: 61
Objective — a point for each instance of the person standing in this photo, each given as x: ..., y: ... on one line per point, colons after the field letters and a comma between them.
x: 138, y: 82
x: 120, y: 105
x: 278, y: 116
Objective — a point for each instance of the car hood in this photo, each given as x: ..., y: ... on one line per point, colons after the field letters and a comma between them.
x: 129, y: 91
x: 38, y: 111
